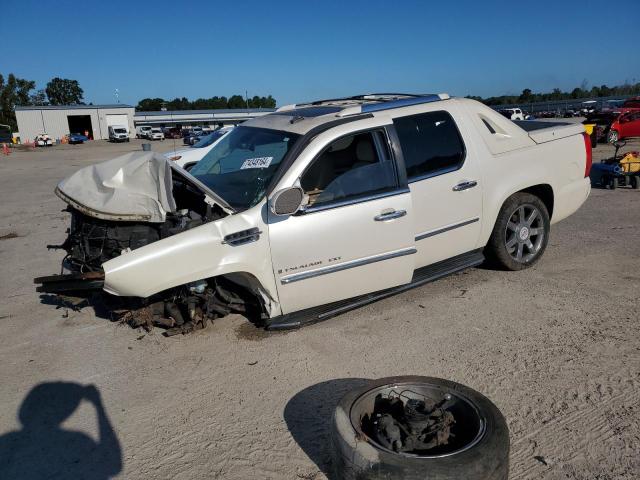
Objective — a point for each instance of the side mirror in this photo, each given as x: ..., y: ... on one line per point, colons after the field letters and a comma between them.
x: 287, y: 201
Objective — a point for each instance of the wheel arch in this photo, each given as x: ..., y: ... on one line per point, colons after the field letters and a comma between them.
x: 543, y: 191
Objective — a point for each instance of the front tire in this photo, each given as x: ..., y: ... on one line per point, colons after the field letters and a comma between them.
x: 520, y: 234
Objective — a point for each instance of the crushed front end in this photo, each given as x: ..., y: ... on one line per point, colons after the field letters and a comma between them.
x: 159, y: 203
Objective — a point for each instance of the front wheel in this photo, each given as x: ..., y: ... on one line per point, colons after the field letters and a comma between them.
x: 612, y: 136
x: 521, y: 232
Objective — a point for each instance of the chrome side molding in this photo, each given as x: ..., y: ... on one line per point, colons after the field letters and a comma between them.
x: 432, y: 233
x: 296, y: 277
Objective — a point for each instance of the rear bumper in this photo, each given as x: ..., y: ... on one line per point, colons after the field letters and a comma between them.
x: 570, y: 198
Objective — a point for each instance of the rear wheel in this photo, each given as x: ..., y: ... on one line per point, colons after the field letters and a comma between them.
x: 521, y: 232
x: 635, y: 182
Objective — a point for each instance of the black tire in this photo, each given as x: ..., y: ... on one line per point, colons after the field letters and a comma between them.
x: 497, y: 251
x: 614, y: 183
x: 356, y: 458
x: 635, y: 182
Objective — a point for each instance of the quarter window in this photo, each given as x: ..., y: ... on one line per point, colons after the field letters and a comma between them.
x: 431, y: 144
x: 350, y: 167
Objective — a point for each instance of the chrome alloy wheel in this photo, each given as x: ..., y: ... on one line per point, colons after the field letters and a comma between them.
x: 525, y: 233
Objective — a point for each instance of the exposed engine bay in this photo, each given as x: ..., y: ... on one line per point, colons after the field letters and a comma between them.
x: 96, y: 236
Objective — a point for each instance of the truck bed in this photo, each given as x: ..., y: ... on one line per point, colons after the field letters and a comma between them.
x: 541, y: 132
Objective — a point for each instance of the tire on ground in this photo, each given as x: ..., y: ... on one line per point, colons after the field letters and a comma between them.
x: 356, y: 459
x: 496, y: 250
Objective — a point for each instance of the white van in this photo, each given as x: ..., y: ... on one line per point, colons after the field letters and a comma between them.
x: 118, y: 133
x: 143, y: 131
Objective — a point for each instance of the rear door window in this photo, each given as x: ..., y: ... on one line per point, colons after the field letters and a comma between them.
x: 431, y: 144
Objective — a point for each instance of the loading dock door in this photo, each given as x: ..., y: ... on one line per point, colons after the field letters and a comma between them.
x: 117, y: 120
x: 80, y: 124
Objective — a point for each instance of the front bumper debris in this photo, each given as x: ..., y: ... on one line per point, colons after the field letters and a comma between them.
x: 72, y: 282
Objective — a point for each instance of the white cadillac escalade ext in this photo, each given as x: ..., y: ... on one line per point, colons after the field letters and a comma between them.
x: 318, y: 208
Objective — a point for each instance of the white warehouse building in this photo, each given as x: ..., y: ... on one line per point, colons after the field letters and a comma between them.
x: 60, y: 120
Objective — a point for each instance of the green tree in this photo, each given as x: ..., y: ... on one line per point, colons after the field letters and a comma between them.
x: 150, y: 104
x: 526, y: 96
x: 237, y: 101
x: 38, y: 98
x: 15, y: 91
x: 62, y: 91
x: 605, y: 91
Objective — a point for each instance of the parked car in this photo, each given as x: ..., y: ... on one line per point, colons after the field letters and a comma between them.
x: 118, y: 133
x: 512, y: 113
x: 588, y: 107
x: 316, y: 209
x: 155, y: 134
x: 193, y: 137
x: 142, y: 131
x: 602, y: 122
x: 188, y: 157
x: 627, y: 125
x: 172, y: 132
x: 630, y: 105
x: 43, y: 140
x: 75, y: 138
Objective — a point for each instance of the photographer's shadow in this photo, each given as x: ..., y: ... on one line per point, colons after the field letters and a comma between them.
x: 43, y: 449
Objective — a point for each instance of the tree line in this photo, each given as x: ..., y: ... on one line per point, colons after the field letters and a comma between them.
x: 583, y: 91
x: 18, y: 91
x: 213, y: 103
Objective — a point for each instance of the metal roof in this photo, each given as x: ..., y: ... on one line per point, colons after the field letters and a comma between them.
x: 209, y: 111
x: 71, y: 107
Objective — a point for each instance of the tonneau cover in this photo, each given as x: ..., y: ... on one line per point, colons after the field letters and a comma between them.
x: 541, y: 132
x: 133, y: 187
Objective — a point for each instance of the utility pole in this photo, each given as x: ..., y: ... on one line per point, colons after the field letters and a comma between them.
x: 246, y: 99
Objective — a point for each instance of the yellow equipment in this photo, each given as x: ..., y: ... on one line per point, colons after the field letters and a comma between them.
x: 630, y: 163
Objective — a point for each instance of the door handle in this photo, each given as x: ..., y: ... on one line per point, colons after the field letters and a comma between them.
x: 390, y: 215
x: 465, y: 185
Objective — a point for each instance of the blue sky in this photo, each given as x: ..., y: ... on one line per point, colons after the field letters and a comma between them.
x: 301, y: 50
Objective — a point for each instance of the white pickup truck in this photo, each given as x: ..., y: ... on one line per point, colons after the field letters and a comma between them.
x: 319, y: 208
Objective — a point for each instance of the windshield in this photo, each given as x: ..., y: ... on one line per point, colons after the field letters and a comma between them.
x: 241, y: 165
x: 207, y: 140
x: 119, y: 130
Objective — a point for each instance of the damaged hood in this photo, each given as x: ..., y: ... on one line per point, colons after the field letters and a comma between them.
x: 137, y: 186
x: 134, y: 187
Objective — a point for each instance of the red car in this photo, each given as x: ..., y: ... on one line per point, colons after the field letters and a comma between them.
x: 627, y: 125
x: 630, y: 105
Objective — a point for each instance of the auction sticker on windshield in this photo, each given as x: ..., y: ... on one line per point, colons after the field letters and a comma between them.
x: 259, y: 162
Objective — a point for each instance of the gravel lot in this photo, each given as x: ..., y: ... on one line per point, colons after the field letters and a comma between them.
x: 556, y: 347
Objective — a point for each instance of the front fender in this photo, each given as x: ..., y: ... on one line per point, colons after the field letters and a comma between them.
x: 193, y: 255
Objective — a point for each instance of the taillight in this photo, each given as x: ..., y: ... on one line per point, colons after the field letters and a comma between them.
x: 589, y: 161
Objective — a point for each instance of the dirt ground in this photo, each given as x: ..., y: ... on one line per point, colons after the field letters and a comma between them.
x: 556, y: 347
